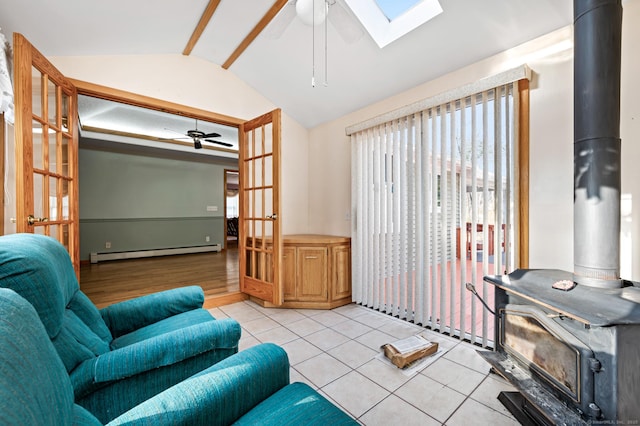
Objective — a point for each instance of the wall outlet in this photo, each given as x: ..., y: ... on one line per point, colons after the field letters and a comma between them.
x: 212, y: 208
x: 207, y: 238
x: 107, y: 244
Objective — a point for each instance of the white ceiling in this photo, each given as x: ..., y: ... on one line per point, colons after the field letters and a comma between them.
x: 118, y: 119
x: 280, y: 68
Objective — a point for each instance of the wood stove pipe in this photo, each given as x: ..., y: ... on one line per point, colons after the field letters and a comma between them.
x: 597, y: 64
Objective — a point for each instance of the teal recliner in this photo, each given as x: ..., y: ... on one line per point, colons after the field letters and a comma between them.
x: 123, y: 354
x: 248, y: 388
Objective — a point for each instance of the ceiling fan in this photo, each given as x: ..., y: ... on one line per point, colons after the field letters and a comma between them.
x: 316, y: 12
x: 197, y: 136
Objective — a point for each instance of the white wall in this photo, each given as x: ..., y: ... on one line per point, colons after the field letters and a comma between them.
x: 630, y: 134
x: 197, y: 83
x: 551, y: 155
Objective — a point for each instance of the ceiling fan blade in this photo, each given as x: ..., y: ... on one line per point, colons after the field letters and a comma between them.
x: 281, y: 22
x: 174, y: 131
x: 175, y: 139
x: 211, y: 135
x: 219, y: 142
x: 345, y: 24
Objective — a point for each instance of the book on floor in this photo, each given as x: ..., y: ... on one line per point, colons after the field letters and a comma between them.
x: 406, y: 351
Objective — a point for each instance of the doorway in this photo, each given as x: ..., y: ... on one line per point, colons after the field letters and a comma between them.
x: 216, y: 272
x: 232, y: 207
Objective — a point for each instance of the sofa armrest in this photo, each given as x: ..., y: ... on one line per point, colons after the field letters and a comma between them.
x: 125, y: 317
x: 220, y: 394
x: 167, y: 349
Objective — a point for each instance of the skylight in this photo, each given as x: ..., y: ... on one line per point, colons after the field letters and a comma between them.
x: 388, y: 20
x: 394, y: 8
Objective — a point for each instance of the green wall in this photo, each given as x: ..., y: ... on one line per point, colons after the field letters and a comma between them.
x: 140, y: 202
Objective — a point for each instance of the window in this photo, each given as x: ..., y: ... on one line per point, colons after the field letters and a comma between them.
x: 435, y: 207
x: 394, y: 8
x: 388, y: 20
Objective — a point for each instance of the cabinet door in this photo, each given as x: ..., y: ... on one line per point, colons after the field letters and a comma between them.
x: 312, y: 274
x: 341, y: 272
x: 289, y: 272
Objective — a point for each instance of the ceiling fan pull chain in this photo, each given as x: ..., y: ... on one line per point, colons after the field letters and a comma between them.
x: 326, y: 32
x: 313, y: 44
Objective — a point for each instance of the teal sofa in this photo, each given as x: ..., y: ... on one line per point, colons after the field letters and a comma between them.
x: 249, y: 388
x: 124, y: 354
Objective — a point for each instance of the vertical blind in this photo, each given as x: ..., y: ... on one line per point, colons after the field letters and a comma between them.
x: 434, y: 201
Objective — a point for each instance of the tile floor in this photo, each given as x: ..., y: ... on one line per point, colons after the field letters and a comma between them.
x: 335, y: 352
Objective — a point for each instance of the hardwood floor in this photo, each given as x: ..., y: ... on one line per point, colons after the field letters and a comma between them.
x: 113, y: 281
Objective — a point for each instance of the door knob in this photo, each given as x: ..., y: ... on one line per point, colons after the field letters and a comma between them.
x: 272, y: 216
x: 31, y: 219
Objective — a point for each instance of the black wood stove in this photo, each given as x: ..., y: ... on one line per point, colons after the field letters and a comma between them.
x: 570, y: 341
x: 573, y: 355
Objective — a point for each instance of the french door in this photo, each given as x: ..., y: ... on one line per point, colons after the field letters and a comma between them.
x: 260, y: 234
x: 46, y: 148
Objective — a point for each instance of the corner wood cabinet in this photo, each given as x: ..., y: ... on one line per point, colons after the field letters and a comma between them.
x: 316, y: 271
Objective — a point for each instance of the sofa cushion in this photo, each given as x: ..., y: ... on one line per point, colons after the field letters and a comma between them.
x: 176, y: 322
x: 296, y: 404
x: 86, y: 311
x: 76, y: 342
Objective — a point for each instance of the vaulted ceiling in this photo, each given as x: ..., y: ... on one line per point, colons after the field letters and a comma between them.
x: 279, y: 61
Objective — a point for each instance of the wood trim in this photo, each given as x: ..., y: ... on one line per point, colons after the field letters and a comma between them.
x: 23, y: 115
x: 117, y: 95
x: 202, y: 24
x: 226, y: 299
x: 523, y: 170
x: 260, y: 26
x: 303, y: 305
x: 226, y: 172
x: 276, y: 122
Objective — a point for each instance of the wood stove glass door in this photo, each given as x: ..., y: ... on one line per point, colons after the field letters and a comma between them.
x: 536, y: 340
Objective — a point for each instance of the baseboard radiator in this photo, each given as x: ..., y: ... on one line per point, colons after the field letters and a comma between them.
x: 101, y: 257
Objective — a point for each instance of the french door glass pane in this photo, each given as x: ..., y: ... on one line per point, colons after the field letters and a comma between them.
x: 268, y: 139
x: 268, y: 229
x: 38, y: 191
x: 258, y: 208
x: 257, y: 173
x: 53, y: 198
x: 64, y: 235
x: 268, y: 170
x: 64, y: 157
x: 65, y: 112
x: 53, y: 231
x: 65, y: 199
x: 52, y: 103
x: 257, y: 142
x: 38, y: 162
x: 36, y: 81
x: 53, y: 152
x: 268, y: 202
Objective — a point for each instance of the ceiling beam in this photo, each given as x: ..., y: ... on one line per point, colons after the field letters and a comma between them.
x: 204, y: 21
x: 268, y: 17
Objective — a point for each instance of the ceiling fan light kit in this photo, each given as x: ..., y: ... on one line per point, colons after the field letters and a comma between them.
x: 312, y: 12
